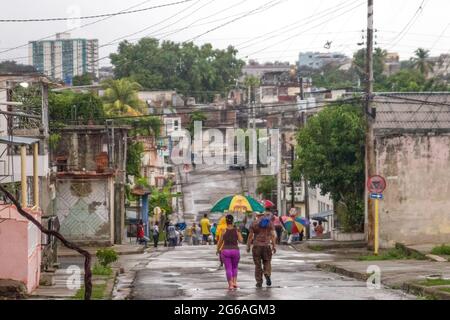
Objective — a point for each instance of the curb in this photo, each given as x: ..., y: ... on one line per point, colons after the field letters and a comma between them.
x: 351, y: 274
x: 110, y: 284
x: 419, y: 290
x: 407, y: 287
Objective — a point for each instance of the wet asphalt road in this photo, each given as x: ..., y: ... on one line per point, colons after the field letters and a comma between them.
x: 192, y: 273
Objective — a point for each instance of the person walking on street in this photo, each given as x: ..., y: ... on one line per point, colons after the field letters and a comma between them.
x: 221, y: 228
x: 313, y: 229
x: 189, y: 238
x: 205, y: 225
x: 198, y: 232
x: 213, y: 232
x: 155, y: 231
x: 172, y: 235
x: 140, y: 234
x: 278, y: 226
x: 228, y: 249
x: 262, y: 237
x: 319, y: 230
x: 166, y: 231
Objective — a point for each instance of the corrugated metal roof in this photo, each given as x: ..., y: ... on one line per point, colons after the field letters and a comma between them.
x: 412, y: 111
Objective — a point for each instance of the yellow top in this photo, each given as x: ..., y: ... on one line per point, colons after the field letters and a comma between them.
x: 221, y: 227
x: 205, y: 224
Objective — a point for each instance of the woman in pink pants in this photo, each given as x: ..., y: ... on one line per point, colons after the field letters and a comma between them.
x: 229, y: 250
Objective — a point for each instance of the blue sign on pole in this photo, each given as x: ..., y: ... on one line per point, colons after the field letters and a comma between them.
x: 378, y: 196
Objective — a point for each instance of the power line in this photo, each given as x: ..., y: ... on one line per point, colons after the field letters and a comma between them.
x: 172, y: 16
x: 210, y: 22
x: 72, y: 29
x: 96, y: 16
x: 264, y: 7
x: 409, y: 25
x: 295, y: 25
x: 189, y: 112
x: 300, y: 33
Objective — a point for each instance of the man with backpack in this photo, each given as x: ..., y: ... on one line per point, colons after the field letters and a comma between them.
x: 263, y: 238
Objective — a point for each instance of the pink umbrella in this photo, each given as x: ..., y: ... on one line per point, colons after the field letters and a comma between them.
x: 268, y: 204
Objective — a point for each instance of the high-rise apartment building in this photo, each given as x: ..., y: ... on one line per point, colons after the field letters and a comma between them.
x: 64, y: 58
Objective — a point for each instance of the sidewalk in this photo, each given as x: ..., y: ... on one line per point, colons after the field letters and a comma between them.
x: 121, y: 249
x: 408, y: 275
x: 60, y: 289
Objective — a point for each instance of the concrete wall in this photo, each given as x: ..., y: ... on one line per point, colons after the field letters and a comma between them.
x: 20, y: 249
x: 85, y: 209
x: 416, y: 208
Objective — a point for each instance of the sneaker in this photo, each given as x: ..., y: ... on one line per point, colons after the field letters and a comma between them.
x: 259, y: 285
x: 268, y: 280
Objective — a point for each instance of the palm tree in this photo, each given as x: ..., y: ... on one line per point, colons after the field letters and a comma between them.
x: 421, y: 62
x: 121, y: 98
x: 251, y: 82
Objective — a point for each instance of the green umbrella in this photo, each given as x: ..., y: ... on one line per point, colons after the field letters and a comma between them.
x: 238, y: 203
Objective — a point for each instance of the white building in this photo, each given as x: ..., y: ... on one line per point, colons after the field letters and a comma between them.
x: 317, y: 60
x: 64, y: 58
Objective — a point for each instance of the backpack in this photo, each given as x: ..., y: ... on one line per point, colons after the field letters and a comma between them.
x: 264, y: 223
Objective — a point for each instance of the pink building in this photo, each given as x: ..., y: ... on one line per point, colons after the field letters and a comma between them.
x: 20, y: 247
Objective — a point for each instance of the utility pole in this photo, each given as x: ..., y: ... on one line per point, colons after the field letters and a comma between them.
x: 370, y: 116
x: 255, y: 147
x: 305, y: 181
x: 278, y: 162
x: 292, y: 180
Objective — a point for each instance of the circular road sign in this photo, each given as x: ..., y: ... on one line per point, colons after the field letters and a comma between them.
x: 376, y: 184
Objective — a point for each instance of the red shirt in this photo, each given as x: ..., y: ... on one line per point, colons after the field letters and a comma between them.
x: 140, y: 231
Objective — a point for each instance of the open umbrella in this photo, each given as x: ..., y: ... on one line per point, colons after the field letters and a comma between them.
x: 238, y: 203
x: 268, y: 204
x: 319, y: 219
x: 291, y: 225
x: 302, y: 221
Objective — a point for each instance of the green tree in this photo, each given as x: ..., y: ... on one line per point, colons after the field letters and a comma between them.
x: 162, y: 199
x: 135, y: 152
x: 11, y: 66
x: 331, y: 77
x: 421, y: 63
x: 147, y: 126
x: 411, y: 80
x: 359, y: 64
x: 121, y: 98
x: 68, y: 106
x: 331, y: 156
x: 30, y: 97
x: 197, y: 115
x: 85, y: 79
x: 251, y: 82
x: 266, y: 186
x: 191, y: 70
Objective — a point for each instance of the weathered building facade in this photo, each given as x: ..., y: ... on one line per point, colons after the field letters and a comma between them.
x: 90, y: 176
x: 413, y: 154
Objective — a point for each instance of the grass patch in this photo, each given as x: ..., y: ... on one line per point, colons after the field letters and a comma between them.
x: 316, y: 248
x: 98, y: 292
x: 427, y: 297
x: 443, y: 250
x: 445, y: 289
x: 393, y: 254
x: 435, y: 282
x: 100, y: 270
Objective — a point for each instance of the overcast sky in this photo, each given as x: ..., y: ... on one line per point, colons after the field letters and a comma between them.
x: 264, y: 30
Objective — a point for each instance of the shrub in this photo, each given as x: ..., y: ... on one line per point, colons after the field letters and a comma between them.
x: 100, y: 270
x: 443, y: 249
x: 106, y: 256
